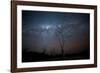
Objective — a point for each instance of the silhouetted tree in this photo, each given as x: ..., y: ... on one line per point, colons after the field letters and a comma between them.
x: 60, y: 35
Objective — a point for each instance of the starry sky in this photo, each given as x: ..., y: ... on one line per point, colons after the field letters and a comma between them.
x: 41, y: 30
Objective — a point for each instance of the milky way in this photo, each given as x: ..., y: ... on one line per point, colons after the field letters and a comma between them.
x: 50, y: 31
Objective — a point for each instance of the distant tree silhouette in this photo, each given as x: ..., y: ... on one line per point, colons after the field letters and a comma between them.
x: 59, y: 33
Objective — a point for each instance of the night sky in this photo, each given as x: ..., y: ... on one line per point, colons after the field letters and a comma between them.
x: 53, y: 31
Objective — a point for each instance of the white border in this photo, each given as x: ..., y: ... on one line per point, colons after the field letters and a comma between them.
x: 53, y: 63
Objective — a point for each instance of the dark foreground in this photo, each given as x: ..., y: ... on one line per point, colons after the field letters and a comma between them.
x: 36, y: 57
